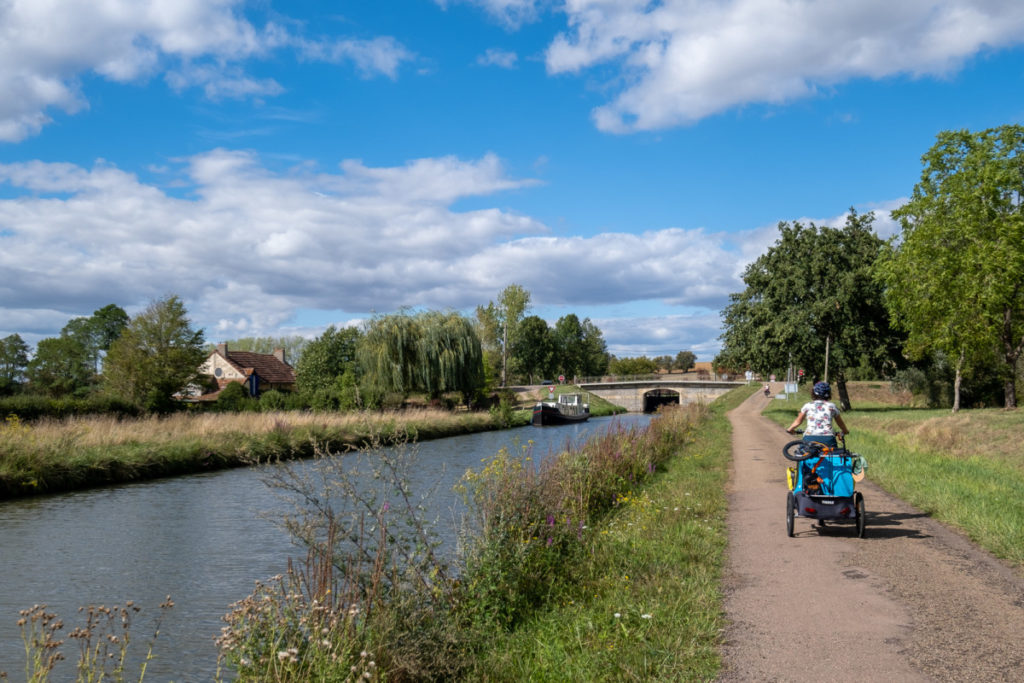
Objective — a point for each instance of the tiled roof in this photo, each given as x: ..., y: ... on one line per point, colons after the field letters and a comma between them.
x: 266, y: 365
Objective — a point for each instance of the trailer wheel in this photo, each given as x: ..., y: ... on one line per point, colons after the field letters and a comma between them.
x: 861, y: 515
x: 790, y: 506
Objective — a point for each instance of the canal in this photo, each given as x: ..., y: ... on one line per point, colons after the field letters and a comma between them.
x: 202, y: 539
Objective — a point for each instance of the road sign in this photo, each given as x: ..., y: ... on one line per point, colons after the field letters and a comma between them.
x: 561, y: 378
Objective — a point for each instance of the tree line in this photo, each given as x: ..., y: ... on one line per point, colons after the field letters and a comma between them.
x: 939, y: 306
x: 150, y: 359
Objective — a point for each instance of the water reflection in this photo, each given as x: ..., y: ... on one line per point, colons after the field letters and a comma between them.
x: 201, y: 539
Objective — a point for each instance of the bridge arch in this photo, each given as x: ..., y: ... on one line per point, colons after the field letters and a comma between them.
x: 655, y: 398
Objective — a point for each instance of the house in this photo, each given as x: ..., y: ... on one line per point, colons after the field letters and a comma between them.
x: 258, y: 372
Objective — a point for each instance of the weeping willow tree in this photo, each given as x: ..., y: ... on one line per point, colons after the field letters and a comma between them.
x: 451, y: 358
x: 431, y: 352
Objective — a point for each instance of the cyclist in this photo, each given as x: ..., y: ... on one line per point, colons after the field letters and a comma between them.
x: 819, y: 413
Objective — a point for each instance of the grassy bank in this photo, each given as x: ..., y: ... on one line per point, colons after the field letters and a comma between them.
x: 52, y: 455
x: 647, y: 603
x: 48, y: 456
x: 602, y: 562
x: 964, y: 469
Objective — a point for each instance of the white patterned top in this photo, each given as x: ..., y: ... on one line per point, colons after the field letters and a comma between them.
x: 819, y: 417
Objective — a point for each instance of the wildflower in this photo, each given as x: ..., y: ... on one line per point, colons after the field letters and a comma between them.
x: 282, y: 655
x: 617, y: 615
x: 645, y: 616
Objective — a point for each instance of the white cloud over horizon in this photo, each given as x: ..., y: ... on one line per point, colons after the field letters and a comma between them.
x: 249, y: 249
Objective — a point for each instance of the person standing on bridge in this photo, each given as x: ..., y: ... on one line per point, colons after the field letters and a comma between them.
x: 819, y: 413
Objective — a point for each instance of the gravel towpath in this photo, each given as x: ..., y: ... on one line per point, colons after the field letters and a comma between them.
x: 912, y: 601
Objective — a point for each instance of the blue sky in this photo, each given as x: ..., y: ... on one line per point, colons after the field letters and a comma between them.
x: 285, y: 166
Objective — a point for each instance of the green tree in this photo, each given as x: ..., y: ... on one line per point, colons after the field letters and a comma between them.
x: 534, y: 348
x: 97, y: 332
x: 13, y: 362
x: 326, y: 358
x: 450, y: 355
x: 963, y: 241
x: 595, y: 351
x: 60, y: 367
x: 157, y: 355
x: 812, y: 301
x: 388, y: 354
x: 430, y: 352
x: 640, y: 365
x: 569, y: 345
x: 497, y: 323
x: 685, y: 360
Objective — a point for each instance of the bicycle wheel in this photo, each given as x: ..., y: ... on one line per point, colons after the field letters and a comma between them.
x: 798, y: 451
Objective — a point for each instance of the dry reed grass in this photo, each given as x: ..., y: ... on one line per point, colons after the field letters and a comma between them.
x: 99, y: 431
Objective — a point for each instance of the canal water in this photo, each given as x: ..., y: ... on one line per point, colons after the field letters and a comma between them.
x: 203, y: 539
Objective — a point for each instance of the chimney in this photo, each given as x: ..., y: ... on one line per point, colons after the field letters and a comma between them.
x: 222, y: 349
x: 279, y: 354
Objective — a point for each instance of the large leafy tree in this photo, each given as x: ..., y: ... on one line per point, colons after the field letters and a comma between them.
x: 60, y: 367
x: 326, y: 359
x: 450, y: 355
x: 534, y: 348
x: 97, y: 332
x: 157, y: 355
x: 498, y: 322
x: 811, y: 301
x: 685, y: 360
x: 955, y: 278
x: 13, y: 362
x: 430, y: 352
x: 569, y: 345
x: 595, y: 350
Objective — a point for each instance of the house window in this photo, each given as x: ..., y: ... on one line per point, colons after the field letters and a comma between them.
x: 218, y: 372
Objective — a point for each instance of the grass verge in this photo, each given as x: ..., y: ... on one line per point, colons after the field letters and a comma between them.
x: 647, y: 603
x: 964, y: 469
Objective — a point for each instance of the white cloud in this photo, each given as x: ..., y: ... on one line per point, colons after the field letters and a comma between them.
x: 248, y: 249
x: 662, y: 335
x: 497, y: 57
x: 683, y: 60
x: 46, y: 46
x: 511, y: 13
x: 379, y: 56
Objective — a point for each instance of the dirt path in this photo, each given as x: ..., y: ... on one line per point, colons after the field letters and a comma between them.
x: 912, y: 601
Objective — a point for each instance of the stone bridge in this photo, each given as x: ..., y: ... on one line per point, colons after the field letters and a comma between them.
x: 646, y: 396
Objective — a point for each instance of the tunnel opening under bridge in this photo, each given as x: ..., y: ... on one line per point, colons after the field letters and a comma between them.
x: 656, y: 398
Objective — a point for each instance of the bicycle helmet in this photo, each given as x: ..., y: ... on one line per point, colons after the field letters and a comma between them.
x: 821, y: 390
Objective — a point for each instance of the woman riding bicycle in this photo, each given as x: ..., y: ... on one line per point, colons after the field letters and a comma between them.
x: 819, y: 413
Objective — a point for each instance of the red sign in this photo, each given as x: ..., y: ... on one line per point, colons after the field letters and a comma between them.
x: 561, y: 378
